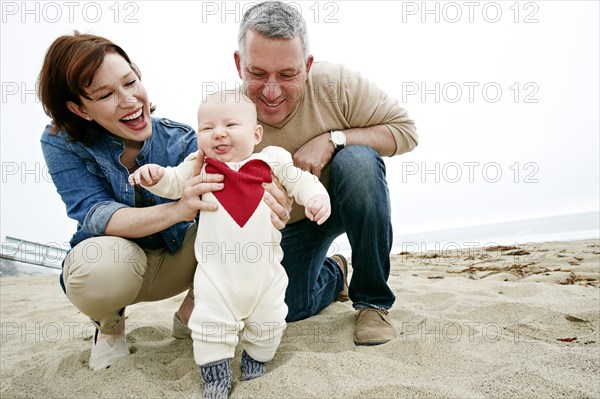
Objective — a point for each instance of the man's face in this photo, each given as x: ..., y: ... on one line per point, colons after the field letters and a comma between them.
x: 274, y: 74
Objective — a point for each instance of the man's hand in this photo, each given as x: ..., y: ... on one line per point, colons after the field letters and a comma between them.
x: 147, y: 175
x: 318, y: 208
x: 314, y: 155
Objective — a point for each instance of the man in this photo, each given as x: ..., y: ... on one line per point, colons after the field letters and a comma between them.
x: 337, y: 125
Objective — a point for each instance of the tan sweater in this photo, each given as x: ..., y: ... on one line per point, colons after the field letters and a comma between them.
x: 336, y: 98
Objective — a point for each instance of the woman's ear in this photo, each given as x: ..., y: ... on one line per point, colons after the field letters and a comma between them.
x: 78, y: 110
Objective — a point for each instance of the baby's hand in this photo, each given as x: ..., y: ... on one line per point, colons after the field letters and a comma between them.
x: 147, y: 175
x: 318, y: 208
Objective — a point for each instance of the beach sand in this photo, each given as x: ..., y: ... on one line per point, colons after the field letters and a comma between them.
x: 496, y: 322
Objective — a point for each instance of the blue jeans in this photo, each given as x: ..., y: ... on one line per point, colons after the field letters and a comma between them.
x: 360, y: 208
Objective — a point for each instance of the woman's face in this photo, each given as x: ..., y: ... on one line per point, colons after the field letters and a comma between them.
x: 119, y: 101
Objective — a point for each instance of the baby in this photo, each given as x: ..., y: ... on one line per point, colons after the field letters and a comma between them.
x: 239, y: 283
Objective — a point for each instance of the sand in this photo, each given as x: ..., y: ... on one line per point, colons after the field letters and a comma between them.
x: 481, y: 323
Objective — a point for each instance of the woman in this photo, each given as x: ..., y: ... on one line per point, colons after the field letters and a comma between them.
x: 130, y: 246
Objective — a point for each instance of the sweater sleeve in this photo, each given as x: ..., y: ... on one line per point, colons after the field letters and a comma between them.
x: 171, y: 184
x: 364, y: 105
x: 299, y: 184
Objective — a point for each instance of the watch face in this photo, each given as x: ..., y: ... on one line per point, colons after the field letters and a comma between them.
x: 338, y: 138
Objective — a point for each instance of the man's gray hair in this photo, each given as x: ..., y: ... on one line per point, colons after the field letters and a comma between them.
x: 274, y: 20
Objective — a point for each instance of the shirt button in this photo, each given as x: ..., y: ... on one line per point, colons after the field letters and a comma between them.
x: 142, y: 157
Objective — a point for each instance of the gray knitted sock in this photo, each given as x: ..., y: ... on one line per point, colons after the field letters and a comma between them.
x: 251, y: 368
x: 217, y: 379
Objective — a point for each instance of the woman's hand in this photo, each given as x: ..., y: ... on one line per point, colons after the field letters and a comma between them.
x: 277, y: 198
x: 198, y: 184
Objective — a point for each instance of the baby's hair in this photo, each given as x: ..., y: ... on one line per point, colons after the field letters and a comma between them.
x: 227, y: 95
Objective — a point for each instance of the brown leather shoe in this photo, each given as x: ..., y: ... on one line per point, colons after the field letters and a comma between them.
x: 343, y: 265
x: 373, y: 327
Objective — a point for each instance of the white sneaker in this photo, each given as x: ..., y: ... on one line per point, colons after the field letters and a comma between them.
x: 180, y: 330
x: 104, y: 354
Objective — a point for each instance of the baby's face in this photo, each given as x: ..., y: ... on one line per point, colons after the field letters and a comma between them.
x: 227, y: 128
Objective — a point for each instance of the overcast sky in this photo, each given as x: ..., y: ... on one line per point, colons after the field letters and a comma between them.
x: 505, y: 96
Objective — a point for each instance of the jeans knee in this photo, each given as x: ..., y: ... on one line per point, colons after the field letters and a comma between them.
x: 300, y: 309
x: 299, y: 314
x: 350, y: 156
x: 358, y: 161
x: 359, y: 171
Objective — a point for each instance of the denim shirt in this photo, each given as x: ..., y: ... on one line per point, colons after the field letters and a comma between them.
x: 93, y: 184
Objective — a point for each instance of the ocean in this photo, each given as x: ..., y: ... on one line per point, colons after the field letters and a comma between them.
x: 576, y: 226
x: 571, y: 227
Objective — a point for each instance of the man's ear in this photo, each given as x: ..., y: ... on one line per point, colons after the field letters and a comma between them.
x: 258, y: 133
x: 78, y: 110
x: 309, y: 63
x: 238, y: 63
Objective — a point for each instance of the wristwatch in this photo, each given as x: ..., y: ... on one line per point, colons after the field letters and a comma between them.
x: 338, y: 139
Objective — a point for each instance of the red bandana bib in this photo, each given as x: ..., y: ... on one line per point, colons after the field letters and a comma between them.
x: 242, y: 190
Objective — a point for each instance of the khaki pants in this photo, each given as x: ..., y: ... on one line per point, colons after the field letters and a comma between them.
x: 105, y: 274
